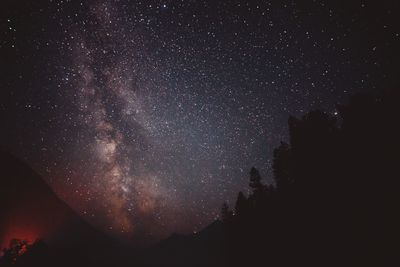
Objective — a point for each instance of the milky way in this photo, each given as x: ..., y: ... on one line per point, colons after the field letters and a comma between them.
x: 127, y: 169
x: 145, y: 116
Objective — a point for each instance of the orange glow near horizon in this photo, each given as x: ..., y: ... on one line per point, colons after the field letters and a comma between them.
x: 21, y: 233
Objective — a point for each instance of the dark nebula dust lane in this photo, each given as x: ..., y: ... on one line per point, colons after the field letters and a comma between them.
x: 145, y: 116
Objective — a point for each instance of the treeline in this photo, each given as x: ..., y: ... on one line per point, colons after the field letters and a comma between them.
x: 23, y: 253
x: 335, y: 200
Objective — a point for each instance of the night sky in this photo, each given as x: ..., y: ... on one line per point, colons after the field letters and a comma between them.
x: 145, y: 116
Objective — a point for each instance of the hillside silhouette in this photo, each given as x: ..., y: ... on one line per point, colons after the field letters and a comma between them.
x: 334, y: 201
x: 336, y: 196
x: 36, y: 222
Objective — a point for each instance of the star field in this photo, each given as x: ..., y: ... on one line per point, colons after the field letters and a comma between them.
x: 145, y: 116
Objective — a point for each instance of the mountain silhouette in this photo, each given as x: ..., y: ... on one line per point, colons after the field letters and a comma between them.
x: 204, y: 248
x: 31, y: 211
x: 334, y: 202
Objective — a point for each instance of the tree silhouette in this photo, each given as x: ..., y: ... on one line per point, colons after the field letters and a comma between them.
x: 337, y: 190
x: 21, y: 253
x: 226, y: 213
x: 16, y: 248
x: 255, y: 179
x: 241, y: 207
x: 282, y: 168
x: 334, y: 202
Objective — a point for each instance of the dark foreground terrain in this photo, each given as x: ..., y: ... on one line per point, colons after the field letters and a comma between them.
x: 334, y: 202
